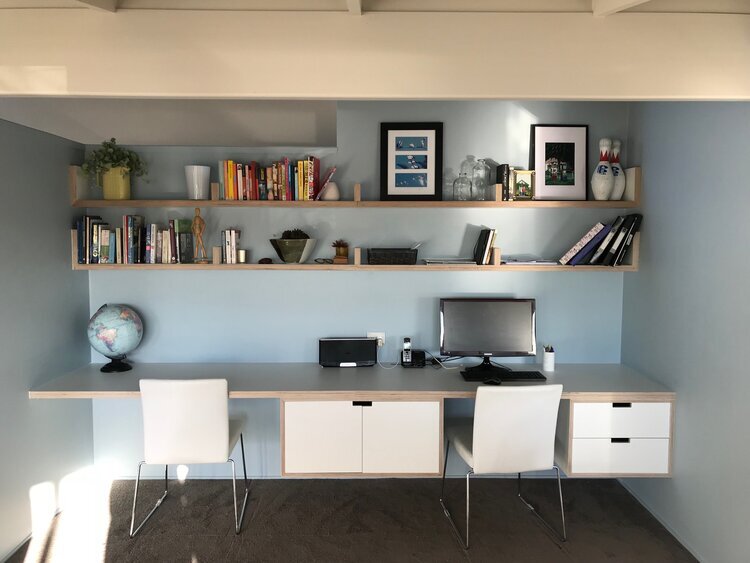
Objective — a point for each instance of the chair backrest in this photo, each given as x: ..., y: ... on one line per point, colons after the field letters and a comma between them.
x: 185, y: 421
x: 514, y: 428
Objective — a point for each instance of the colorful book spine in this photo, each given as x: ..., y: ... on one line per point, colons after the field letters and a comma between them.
x: 590, y: 247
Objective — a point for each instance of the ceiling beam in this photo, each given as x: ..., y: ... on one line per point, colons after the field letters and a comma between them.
x: 355, y: 7
x: 106, y: 5
x: 603, y: 8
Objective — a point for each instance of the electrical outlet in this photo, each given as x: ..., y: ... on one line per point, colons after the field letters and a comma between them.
x: 379, y: 335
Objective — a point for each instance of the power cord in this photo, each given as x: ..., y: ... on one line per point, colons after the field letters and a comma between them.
x: 441, y: 364
x: 377, y: 359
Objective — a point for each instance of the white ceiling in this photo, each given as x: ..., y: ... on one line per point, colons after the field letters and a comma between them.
x: 554, y: 6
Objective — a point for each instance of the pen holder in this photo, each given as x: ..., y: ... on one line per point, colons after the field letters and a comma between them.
x: 548, y: 361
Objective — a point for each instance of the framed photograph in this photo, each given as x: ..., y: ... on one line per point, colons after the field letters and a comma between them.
x: 522, y: 184
x: 558, y: 154
x: 411, y: 161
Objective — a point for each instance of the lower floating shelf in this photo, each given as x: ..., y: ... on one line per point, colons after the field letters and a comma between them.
x: 358, y: 268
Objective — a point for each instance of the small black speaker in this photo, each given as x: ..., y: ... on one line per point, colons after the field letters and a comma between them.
x: 347, y: 352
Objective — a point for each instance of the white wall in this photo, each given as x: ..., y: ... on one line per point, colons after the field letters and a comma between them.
x: 43, y: 315
x: 377, y: 56
x: 686, y: 316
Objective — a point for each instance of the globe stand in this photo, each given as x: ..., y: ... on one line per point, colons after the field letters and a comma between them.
x: 116, y: 365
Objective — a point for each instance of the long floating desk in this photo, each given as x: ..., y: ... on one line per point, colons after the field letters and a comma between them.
x: 582, y: 382
x: 613, y: 421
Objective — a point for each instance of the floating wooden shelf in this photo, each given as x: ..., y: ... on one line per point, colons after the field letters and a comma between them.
x: 632, y: 199
x: 357, y: 266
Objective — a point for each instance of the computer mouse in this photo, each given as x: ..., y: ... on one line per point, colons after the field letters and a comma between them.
x: 492, y: 381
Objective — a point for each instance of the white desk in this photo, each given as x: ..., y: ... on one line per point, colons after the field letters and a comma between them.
x: 612, y: 418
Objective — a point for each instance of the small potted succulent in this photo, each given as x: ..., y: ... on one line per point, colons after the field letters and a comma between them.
x: 112, y: 167
x: 342, y: 249
x: 294, y: 247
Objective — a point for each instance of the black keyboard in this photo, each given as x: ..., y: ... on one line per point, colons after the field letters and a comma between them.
x: 523, y: 376
x: 507, y: 376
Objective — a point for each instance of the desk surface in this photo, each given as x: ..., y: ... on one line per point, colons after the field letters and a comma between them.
x: 582, y: 382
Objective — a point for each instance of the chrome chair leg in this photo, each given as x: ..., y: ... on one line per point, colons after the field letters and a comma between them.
x: 562, y: 537
x: 135, y: 500
x: 464, y: 544
x: 238, y: 521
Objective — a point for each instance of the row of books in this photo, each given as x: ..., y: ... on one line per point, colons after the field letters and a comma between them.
x: 483, y: 248
x: 286, y: 180
x: 134, y: 242
x: 230, y: 239
x: 604, y: 244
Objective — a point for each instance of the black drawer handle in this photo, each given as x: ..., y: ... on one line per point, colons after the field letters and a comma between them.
x: 621, y: 405
x: 620, y: 440
x: 361, y: 403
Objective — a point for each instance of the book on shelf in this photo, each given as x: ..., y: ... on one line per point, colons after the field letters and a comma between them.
x: 606, y: 241
x: 483, y: 247
x: 636, y: 225
x: 610, y: 258
x: 583, y: 241
x: 503, y: 174
x: 585, y: 253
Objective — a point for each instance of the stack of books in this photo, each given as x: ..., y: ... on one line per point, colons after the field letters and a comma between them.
x: 230, y: 239
x: 604, y: 244
x: 285, y: 180
x: 135, y: 242
x: 483, y: 248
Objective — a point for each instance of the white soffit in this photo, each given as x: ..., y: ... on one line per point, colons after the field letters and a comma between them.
x: 241, y: 123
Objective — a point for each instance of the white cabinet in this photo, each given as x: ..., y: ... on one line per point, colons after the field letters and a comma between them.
x: 614, y: 439
x: 362, y: 437
x: 322, y: 437
x: 401, y: 437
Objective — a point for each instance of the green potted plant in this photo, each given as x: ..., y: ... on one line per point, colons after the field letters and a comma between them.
x: 111, y: 167
x: 342, y: 251
x: 294, y: 246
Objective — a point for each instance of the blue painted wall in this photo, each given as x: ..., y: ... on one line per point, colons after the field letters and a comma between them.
x: 686, y: 317
x: 44, y: 307
x: 279, y: 316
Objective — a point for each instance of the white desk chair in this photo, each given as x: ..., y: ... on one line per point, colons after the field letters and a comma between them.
x: 513, y: 432
x: 184, y: 422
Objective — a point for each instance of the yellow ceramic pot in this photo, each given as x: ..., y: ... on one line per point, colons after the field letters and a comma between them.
x: 116, y: 183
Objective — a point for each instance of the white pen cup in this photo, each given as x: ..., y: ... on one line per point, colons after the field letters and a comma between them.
x: 197, y: 180
x: 548, y: 361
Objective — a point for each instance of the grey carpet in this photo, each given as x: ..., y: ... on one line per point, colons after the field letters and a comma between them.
x: 383, y: 520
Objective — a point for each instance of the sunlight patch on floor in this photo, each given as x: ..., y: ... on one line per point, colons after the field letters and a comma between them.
x: 79, y: 533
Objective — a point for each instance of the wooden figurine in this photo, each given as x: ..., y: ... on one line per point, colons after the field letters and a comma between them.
x: 199, y: 226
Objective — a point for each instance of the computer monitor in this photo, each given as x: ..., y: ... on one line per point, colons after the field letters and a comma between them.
x: 487, y: 328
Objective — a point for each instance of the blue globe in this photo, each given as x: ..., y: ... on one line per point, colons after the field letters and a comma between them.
x: 114, y: 331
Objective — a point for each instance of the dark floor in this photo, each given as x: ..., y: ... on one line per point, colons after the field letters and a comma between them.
x: 383, y: 520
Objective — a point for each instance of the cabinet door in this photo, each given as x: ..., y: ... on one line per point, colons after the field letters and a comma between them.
x: 637, y: 456
x: 322, y: 437
x: 401, y: 437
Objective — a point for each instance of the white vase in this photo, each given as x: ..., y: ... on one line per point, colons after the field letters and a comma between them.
x: 617, y: 171
x: 330, y: 192
x: 603, y: 181
x: 197, y: 180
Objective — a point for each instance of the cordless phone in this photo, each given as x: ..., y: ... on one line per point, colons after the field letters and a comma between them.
x: 406, y: 352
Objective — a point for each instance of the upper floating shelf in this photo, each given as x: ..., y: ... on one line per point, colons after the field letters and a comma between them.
x: 631, y: 199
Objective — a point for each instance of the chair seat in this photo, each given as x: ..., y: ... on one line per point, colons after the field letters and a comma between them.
x: 461, y: 434
x: 235, y: 429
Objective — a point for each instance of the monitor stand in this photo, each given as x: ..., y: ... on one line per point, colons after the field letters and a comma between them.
x: 485, y: 370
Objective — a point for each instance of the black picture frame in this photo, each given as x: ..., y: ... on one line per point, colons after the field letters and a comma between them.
x: 402, y: 170
x: 556, y: 134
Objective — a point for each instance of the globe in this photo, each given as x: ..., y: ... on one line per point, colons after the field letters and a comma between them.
x: 114, y: 331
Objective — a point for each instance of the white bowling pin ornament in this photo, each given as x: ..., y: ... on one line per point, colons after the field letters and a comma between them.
x: 602, y: 182
x: 617, y: 171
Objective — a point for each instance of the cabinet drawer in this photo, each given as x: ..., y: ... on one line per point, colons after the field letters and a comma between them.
x: 621, y: 420
x: 322, y: 437
x: 638, y: 456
